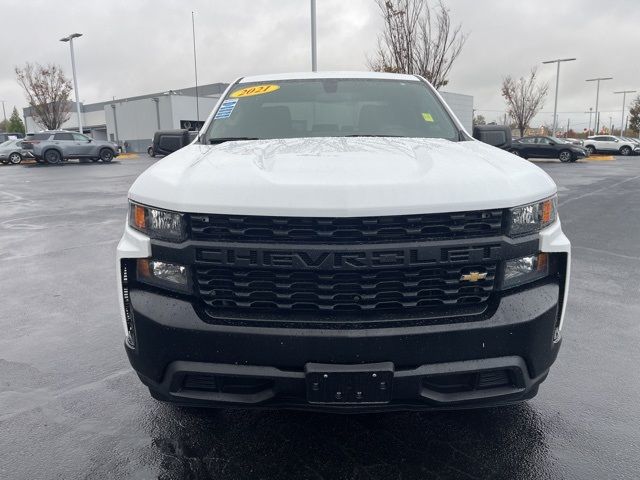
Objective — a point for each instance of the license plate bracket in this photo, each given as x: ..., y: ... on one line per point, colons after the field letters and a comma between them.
x: 349, y: 384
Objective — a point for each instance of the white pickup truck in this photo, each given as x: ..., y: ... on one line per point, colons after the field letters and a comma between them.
x: 337, y: 241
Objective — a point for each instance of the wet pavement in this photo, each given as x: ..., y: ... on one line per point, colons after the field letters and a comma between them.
x: 71, y: 407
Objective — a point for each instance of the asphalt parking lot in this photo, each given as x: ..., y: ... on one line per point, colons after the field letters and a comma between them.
x: 71, y: 407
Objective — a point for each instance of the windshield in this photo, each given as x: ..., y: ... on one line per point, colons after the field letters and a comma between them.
x: 331, y: 108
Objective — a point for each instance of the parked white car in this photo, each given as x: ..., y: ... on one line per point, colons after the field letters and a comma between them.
x: 611, y: 144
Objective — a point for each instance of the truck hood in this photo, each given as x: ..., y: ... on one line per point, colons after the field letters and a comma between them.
x: 340, y: 177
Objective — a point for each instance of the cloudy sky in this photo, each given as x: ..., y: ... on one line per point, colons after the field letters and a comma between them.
x: 133, y: 47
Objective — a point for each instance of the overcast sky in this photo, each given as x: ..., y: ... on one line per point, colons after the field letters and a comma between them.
x: 133, y: 47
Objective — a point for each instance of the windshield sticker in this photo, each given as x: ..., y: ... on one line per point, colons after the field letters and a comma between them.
x: 427, y: 117
x: 257, y: 90
x: 225, y: 109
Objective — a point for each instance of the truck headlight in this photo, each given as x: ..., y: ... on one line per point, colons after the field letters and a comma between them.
x: 163, y: 274
x: 530, y: 218
x: 160, y: 224
x: 525, y: 269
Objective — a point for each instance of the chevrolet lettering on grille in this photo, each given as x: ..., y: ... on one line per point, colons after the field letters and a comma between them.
x: 319, y: 259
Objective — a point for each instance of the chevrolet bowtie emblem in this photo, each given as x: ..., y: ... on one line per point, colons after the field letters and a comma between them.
x: 473, y: 276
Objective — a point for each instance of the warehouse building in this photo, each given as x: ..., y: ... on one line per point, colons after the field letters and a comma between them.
x: 132, y: 121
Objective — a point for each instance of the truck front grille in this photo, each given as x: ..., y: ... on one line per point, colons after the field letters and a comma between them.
x: 352, y: 230
x: 381, y: 290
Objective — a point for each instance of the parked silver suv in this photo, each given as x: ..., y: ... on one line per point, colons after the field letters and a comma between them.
x: 55, y: 146
x: 611, y: 144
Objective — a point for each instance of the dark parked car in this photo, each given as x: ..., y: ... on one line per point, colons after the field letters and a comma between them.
x: 547, y: 147
x: 168, y: 141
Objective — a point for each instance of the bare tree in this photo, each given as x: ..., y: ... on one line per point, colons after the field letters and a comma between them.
x: 417, y: 40
x: 525, y: 97
x: 47, y: 90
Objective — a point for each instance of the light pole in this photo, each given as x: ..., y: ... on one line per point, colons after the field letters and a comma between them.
x: 156, y: 100
x: 4, y: 112
x: 555, y: 104
x: 75, y: 80
x: 589, y: 129
x: 195, y: 68
x: 624, y: 98
x: 599, y: 79
x: 314, y: 52
x: 115, y: 122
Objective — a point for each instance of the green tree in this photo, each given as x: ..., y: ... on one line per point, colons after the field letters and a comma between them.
x: 3, y: 125
x: 634, y: 115
x: 479, y: 120
x: 15, y: 123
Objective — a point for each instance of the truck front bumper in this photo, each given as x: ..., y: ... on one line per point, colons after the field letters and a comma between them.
x: 498, y: 360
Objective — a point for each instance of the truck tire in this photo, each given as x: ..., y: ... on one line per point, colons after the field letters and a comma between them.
x: 52, y: 157
x: 150, y: 152
x: 106, y: 155
x: 565, y: 156
x: 625, y: 151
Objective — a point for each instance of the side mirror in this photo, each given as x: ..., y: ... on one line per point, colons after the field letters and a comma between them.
x: 552, y: 143
x: 495, y: 135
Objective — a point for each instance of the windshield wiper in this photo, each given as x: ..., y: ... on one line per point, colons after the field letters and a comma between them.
x: 215, y: 141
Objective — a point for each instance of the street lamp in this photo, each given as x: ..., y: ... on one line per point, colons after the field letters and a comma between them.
x: 75, y: 80
x: 589, y: 112
x: 555, y: 105
x: 624, y: 97
x: 4, y: 111
x: 156, y: 100
x: 597, y: 97
x: 314, y: 50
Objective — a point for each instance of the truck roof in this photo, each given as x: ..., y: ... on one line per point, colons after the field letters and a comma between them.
x: 338, y: 74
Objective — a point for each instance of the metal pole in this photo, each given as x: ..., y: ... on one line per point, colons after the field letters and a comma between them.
x: 566, y: 134
x: 314, y: 52
x: 156, y: 100
x: 589, y: 129
x: 115, y: 122
x: 4, y: 112
x: 195, y: 67
x: 597, y: 124
x: 555, y: 105
x: 624, y: 98
x: 597, y: 112
x: 75, y: 85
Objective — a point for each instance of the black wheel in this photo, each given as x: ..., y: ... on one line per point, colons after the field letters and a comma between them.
x: 591, y: 149
x: 565, y: 156
x: 626, y: 151
x: 53, y: 157
x: 106, y: 155
x: 515, y: 152
x: 15, y: 158
x: 150, y: 152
